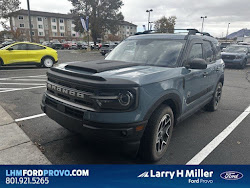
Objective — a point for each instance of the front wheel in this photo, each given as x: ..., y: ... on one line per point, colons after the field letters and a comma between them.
x: 214, y: 103
x: 47, y: 62
x: 157, y: 135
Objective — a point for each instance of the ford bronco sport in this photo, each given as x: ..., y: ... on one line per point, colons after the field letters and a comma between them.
x: 144, y: 87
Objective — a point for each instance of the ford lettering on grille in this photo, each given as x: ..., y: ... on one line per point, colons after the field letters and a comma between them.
x: 65, y: 90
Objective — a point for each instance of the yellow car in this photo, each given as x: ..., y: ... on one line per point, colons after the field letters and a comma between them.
x: 25, y: 53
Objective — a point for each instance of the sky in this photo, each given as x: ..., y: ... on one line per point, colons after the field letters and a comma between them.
x: 188, y: 12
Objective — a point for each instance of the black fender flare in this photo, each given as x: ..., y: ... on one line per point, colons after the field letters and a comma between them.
x: 173, y: 97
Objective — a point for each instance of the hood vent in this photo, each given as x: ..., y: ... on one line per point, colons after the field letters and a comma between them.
x: 99, y: 66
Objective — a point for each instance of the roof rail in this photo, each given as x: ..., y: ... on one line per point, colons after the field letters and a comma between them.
x: 190, y: 32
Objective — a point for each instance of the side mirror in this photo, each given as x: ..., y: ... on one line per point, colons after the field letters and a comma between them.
x: 197, y: 63
x: 10, y: 49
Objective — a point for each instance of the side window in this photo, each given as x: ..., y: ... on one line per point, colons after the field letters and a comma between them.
x: 34, y: 47
x: 208, y: 51
x: 19, y: 47
x: 196, y: 52
x: 217, y: 49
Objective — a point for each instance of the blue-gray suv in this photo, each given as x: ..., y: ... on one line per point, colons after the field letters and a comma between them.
x: 144, y: 87
x: 236, y: 55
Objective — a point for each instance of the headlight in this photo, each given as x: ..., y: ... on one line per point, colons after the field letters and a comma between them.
x: 116, y: 100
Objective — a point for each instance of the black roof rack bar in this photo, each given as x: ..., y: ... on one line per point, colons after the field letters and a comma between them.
x: 190, y: 32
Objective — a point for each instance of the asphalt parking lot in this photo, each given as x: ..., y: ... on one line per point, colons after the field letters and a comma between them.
x: 21, y: 90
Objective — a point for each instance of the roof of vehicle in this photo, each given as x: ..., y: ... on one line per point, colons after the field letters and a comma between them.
x: 28, y: 43
x: 178, y: 36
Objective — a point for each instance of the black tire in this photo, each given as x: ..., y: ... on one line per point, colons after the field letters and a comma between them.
x: 214, y: 103
x: 244, y: 63
x: 47, y: 65
x: 150, y: 149
x: 1, y: 63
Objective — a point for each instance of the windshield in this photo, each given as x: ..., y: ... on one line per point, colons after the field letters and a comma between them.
x: 148, y: 52
x: 236, y: 49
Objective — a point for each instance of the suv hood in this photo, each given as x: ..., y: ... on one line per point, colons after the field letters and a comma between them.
x: 122, y: 70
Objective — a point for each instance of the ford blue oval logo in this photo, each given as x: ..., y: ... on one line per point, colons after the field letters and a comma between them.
x: 231, y: 175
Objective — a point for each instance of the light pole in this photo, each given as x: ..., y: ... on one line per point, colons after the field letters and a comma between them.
x: 31, y: 37
x: 203, y: 18
x: 227, y: 29
x: 151, y: 24
x: 150, y: 10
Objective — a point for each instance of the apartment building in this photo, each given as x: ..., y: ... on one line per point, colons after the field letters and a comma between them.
x: 47, y: 26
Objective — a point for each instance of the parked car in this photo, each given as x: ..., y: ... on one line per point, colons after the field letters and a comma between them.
x: 47, y: 43
x: 57, y: 45
x: 236, y: 55
x: 223, y: 45
x: 94, y: 46
x: 136, y: 97
x: 106, y: 48
x: 25, y: 53
x: 82, y: 45
x: 70, y: 45
x: 6, y: 43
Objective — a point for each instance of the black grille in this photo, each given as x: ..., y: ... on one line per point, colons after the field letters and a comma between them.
x: 86, y: 101
x: 229, y: 57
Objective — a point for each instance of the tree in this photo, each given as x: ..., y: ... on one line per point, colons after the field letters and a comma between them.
x: 103, y: 15
x: 8, y: 6
x: 165, y: 25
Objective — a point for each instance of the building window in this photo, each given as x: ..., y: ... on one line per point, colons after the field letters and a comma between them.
x: 53, y: 20
x: 40, y: 33
x: 32, y: 25
x: 22, y: 25
x: 45, y: 18
x: 61, y: 27
x: 62, y: 34
x: 131, y: 33
x: 128, y: 33
x: 39, y: 19
x: 127, y: 27
x: 33, y: 33
x: 61, y: 21
x: 20, y: 17
x: 40, y: 26
x: 54, y: 34
x: 54, y: 27
x: 73, y: 35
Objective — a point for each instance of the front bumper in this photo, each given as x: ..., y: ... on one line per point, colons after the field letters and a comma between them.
x: 69, y: 117
x: 233, y: 62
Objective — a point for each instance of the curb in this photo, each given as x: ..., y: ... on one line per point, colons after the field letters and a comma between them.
x: 16, y: 148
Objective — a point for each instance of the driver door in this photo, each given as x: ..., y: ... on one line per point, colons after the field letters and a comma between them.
x: 16, y: 54
x: 196, y: 80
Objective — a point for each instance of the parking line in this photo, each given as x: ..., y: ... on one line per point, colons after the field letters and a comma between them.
x: 21, y: 89
x: 32, y: 80
x: 30, y: 117
x: 31, y: 84
x: 198, y: 158
x: 38, y: 76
